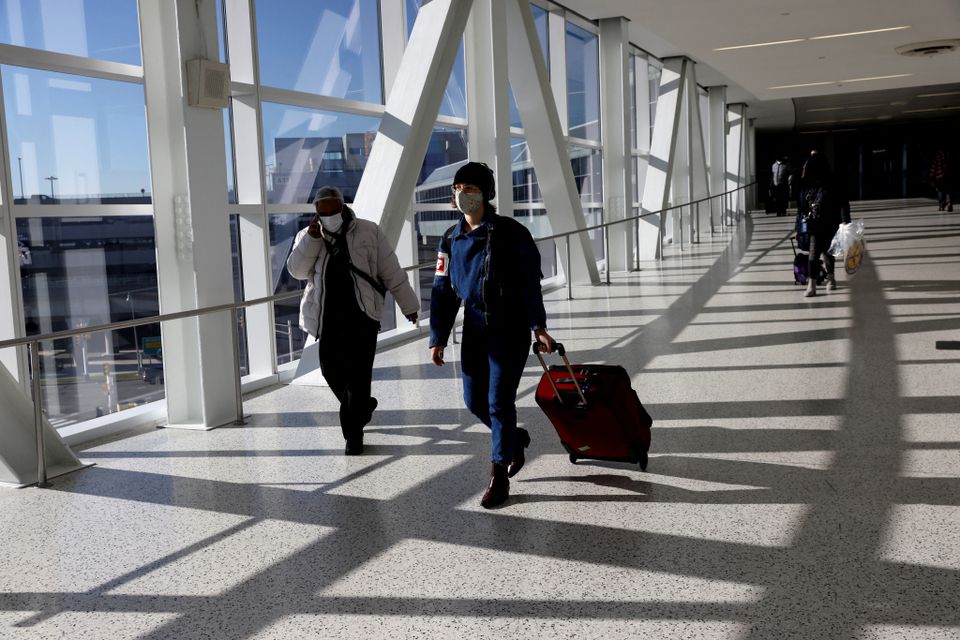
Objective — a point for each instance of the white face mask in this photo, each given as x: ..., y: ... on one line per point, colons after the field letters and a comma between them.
x: 332, y: 223
x: 469, y: 203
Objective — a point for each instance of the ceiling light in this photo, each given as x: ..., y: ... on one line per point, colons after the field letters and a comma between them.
x: 898, y: 75
x: 822, y: 122
x: 826, y: 131
x: 760, y: 44
x: 806, y: 84
x: 825, y: 109
x: 928, y: 110
x: 858, y: 33
x: 938, y: 95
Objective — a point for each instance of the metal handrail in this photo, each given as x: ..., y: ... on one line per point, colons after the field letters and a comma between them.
x: 233, y: 308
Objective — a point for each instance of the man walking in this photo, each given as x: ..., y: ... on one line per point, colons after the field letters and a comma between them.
x: 780, y: 182
x: 349, y: 266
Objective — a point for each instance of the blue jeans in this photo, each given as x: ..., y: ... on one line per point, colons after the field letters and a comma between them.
x: 492, y: 362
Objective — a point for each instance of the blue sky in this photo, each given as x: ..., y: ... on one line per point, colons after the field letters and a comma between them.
x: 88, y: 133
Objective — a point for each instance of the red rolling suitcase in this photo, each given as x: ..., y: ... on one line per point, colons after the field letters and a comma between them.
x: 595, y: 411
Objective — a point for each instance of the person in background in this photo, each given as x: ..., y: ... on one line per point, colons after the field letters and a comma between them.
x: 821, y: 209
x: 781, y: 177
x: 349, y: 266
x: 491, y: 264
x: 941, y: 177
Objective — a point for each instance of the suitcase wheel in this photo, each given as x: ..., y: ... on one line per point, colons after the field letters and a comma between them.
x: 643, y: 461
x: 573, y: 459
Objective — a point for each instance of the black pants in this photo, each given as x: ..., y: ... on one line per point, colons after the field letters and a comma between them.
x: 780, y: 195
x: 819, y: 243
x: 346, y: 361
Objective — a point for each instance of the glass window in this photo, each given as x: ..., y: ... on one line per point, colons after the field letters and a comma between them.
x: 541, y: 20
x: 236, y: 259
x: 594, y: 217
x: 653, y: 77
x: 447, y: 153
x: 525, y: 185
x: 306, y: 149
x: 221, y: 26
x: 103, y: 29
x: 588, y: 173
x: 540, y: 17
x: 328, y: 47
x: 583, y: 83
x: 526, y: 191
x: 535, y: 219
x: 514, y: 111
x: 75, y: 139
x: 228, y: 148
x: 455, y: 97
x: 81, y: 272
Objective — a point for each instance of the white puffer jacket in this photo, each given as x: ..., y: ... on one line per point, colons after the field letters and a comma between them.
x: 370, y: 252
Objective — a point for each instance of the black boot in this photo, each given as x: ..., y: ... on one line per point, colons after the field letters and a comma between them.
x: 499, y: 488
x: 523, y: 441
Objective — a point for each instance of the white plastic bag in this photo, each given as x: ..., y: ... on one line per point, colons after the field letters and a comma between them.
x: 847, y: 236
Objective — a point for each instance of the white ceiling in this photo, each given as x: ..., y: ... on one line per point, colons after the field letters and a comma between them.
x: 696, y: 27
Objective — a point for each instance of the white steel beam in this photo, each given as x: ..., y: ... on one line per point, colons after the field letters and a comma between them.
x: 699, y: 181
x: 718, y: 147
x: 663, y: 148
x: 545, y: 138
x: 615, y: 132
x: 18, y: 442
x: 11, y: 315
x: 411, y: 111
x: 188, y: 164
x: 736, y: 123
x: 488, y: 102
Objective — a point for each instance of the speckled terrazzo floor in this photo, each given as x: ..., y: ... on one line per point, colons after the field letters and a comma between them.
x: 804, y: 481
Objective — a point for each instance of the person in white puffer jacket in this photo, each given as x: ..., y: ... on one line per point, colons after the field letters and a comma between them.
x: 349, y: 266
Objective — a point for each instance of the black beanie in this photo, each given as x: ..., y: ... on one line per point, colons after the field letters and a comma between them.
x: 479, y: 174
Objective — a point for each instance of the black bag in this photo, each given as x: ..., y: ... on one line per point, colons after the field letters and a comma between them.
x: 814, y: 199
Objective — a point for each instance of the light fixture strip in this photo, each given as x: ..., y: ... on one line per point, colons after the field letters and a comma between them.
x: 760, y: 44
x: 805, y: 84
x: 939, y: 95
x: 859, y: 33
x: 896, y: 75
x: 931, y: 109
x: 817, y: 84
x: 794, y: 40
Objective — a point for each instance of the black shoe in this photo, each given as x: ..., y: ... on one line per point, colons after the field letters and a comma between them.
x: 499, y: 488
x: 523, y: 441
x: 354, y: 447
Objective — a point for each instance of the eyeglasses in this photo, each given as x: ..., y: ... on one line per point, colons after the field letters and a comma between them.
x: 465, y: 188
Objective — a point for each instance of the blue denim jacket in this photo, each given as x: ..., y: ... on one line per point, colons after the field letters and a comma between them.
x: 494, y: 271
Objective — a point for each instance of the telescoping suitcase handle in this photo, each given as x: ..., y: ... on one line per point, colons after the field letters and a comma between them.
x: 537, y: 348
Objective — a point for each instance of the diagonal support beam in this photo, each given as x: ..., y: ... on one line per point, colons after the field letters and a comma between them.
x: 411, y: 113
x: 663, y: 152
x: 736, y: 127
x: 545, y: 138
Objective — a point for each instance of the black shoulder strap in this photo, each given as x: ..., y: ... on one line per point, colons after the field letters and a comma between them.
x: 377, y: 286
x: 339, y: 245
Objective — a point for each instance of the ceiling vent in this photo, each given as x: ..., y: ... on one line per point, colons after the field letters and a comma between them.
x: 928, y: 49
